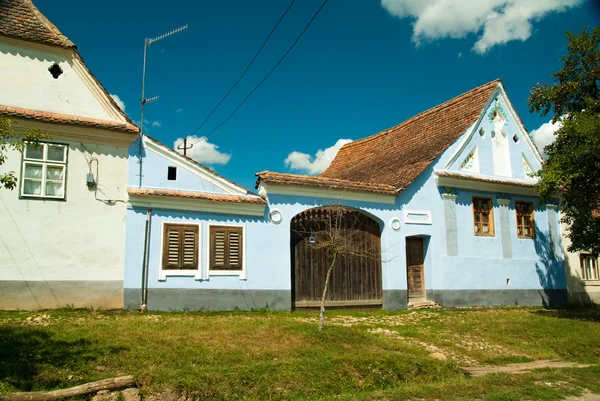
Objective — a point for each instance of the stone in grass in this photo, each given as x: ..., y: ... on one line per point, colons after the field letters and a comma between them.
x: 105, y: 395
x: 438, y: 356
x: 131, y: 394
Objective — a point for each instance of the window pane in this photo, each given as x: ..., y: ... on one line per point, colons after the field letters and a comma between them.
x: 485, y: 228
x: 56, y: 153
x: 34, y: 152
x: 33, y: 171
x: 477, y: 220
x: 476, y: 228
x: 54, y: 189
x: 54, y: 173
x: 32, y: 187
x: 485, y: 218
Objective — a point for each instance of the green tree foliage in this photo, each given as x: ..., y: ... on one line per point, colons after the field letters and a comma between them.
x: 573, y: 164
x: 13, y: 140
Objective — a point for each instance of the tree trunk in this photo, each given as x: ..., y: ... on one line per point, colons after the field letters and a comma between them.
x: 322, y: 314
x: 84, y: 389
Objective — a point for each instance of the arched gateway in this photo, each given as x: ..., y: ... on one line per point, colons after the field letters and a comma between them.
x: 356, y: 278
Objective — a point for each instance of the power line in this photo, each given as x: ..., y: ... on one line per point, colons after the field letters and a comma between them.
x: 246, y: 70
x: 268, y: 74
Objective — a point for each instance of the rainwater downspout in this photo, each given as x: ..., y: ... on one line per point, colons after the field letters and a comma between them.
x: 144, y: 302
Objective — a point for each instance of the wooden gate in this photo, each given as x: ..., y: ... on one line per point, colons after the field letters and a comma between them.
x: 414, y: 268
x: 356, y: 279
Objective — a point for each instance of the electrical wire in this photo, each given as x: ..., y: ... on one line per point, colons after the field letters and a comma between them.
x: 246, y: 70
x: 266, y: 76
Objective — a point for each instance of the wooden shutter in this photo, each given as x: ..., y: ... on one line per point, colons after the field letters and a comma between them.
x: 226, y: 248
x: 180, y: 247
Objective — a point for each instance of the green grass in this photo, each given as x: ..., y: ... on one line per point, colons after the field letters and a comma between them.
x: 264, y: 355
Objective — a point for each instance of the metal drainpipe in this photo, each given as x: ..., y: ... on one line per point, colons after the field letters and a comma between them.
x: 144, y: 302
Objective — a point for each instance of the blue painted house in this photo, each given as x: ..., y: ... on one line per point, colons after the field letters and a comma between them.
x: 445, y: 198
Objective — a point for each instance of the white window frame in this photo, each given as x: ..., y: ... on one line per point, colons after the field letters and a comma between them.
x: 44, y: 163
x: 593, y: 280
x: 240, y: 273
x: 196, y: 273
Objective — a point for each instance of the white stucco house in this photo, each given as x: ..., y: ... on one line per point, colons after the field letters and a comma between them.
x: 62, y: 235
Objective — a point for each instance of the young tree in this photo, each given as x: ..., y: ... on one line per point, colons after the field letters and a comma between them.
x: 10, y: 140
x: 336, y: 230
x: 573, y: 164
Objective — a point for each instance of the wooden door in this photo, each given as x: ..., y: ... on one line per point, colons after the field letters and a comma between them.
x: 414, y: 268
x: 355, y: 280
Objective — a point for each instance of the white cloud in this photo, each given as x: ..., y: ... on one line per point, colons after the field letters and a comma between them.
x: 544, y: 135
x: 203, y: 151
x: 156, y: 124
x: 495, y: 21
x: 318, y: 163
x: 119, y: 102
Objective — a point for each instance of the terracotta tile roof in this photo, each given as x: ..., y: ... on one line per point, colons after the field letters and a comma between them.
x: 203, y: 167
x: 22, y: 20
x: 67, y: 119
x: 491, y: 180
x: 196, y: 195
x: 396, y: 156
x: 331, y: 183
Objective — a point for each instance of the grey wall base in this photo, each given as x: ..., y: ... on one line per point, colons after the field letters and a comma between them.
x: 35, y: 295
x: 209, y: 299
x: 395, y: 299
x: 456, y: 298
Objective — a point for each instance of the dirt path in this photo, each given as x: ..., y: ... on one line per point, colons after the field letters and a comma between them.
x: 518, y: 368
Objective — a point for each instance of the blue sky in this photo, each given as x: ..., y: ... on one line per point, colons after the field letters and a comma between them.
x: 361, y: 67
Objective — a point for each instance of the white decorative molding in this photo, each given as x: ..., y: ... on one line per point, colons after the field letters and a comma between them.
x: 395, y: 223
x: 275, y: 216
x: 410, y: 220
x: 504, y: 202
x: 326, y: 193
x: 240, y: 273
x: 197, y: 205
x: 471, y: 162
x: 551, y: 206
x: 163, y: 274
x: 451, y: 197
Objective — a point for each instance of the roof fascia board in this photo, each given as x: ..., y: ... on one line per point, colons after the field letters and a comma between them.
x: 474, y: 185
x: 325, y: 193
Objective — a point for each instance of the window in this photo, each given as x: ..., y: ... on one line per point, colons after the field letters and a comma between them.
x: 483, y: 217
x: 172, y: 173
x: 44, y: 171
x: 525, y: 223
x: 589, y: 267
x: 226, y: 248
x: 180, y: 247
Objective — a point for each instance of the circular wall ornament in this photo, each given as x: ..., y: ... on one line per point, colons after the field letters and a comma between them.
x: 275, y: 216
x: 395, y: 223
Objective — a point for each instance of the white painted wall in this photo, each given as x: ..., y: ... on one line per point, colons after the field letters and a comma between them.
x: 580, y: 292
x: 26, y: 83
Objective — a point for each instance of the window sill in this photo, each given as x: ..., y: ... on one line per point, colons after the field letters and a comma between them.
x: 591, y: 283
x: 240, y: 273
x: 197, y: 274
x: 43, y: 198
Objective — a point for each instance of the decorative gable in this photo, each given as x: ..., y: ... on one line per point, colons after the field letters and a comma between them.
x: 496, y: 145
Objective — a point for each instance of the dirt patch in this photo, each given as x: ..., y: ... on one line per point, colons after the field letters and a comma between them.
x: 519, y: 368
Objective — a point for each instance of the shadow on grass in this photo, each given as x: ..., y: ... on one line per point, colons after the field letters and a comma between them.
x: 32, y: 358
x: 588, y: 314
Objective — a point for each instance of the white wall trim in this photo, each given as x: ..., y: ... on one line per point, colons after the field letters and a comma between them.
x: 196, y: 273
x: 198, y: 205
x: 240, y: 273
x: 327, y: 193
x: 179, y: 160
x: 473, y: 185
x: 409, y: 220
x: 463, y: 143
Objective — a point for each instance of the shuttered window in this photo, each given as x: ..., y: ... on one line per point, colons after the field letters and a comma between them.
x: 226, y: 248
x: 180, y: 247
